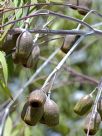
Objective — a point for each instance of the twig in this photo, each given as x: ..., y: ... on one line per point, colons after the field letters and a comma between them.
x: 73, y: 32
x: 94, y: 109
x: 52, y: 4
x: 59, y: 32
x: 84, y: 18
x: 89, y: 79
x: 67, y: 55
x: 73, y: 72
x: 47, y: 13
x: 62, y: 61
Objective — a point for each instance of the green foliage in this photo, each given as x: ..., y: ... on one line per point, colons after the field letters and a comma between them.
x: 3, y: 67
x: 8, y: 127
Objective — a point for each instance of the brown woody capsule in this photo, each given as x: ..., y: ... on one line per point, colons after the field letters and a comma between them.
x: 94, y: 123
x: 24, y: 44
x: 30, y: 115
x: 33, y: 58
x: 10, y: 42
x: 73, y: 2
x: 68, y: 42
x: 83, y: 105
x: 51, y: 113
x: 37, y: 98
x: 99, y: 106
x: 84, y: 4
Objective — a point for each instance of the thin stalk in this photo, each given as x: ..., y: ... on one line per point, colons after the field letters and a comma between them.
x: 62, y: 61
x: 51, y: 13
x: 94, y: 109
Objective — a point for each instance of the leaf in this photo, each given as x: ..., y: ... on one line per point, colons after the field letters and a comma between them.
x: 4, y: 66
x: 27, y: 131
x: 8, y: 127
x: 6, y: 89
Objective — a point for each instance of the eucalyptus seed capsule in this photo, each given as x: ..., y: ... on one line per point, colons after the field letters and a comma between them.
x: 94, y: 123
x: 51, y: 113
x: 73, y: 2
x: 24, y: 44
x: 68, y: 42
x: 84, y: 105
x: 9, y: 43
x: 37, y: 98
x: 33, y: 58
x: 30, y: 115
x: 87, y: 4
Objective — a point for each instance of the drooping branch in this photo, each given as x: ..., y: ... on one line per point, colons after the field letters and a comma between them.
x: 51, y: 4
x: 57, y: 32
x: 51, y: 13
x: 75, y: 73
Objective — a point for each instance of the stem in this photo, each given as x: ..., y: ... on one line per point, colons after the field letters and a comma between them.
x: 59, y: 32
x: 51, y: 4
x: 94, y: 109
x: 47, y: 13
x: 63, y: 61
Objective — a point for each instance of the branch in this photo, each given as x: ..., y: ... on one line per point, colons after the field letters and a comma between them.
x: 59, y: 32
x: 57, y: 68
x: 47, y: 13
x: 75, y: 73
x: 94, y: 109
x: 51, y: 4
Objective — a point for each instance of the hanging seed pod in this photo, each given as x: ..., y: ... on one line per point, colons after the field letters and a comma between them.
x: 24, y: 44
x: 84, y: 105
x: 73, y: 2
x: 37, y: 98
x: 33, y: 58
x: 87, y: 4
x: 9, y: 43
x: 94, y: 123
x: 68, y: 42
x: 99, y: 106
x: 51, y: 113
x: 30, y: 115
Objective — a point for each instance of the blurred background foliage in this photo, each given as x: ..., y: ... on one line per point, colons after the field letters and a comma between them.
x: 67, y: 88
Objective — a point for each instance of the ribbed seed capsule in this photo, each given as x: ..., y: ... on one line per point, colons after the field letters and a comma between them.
x: 68, y: 42
x: 51, y: 113
x: 85, y: 4
x: 94, y: 123
x: 30, y: 115
x: 99, y: 106
x: 37, y: 98
x: 24, y: 44
x: 33, y: 58
x: 9, y: 43
x: 73, y: 2
x: 84, y: 105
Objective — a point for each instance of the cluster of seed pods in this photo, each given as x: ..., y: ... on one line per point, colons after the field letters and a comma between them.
x: 25, y: 52
x: 40, y: 108
x: 83, y: 106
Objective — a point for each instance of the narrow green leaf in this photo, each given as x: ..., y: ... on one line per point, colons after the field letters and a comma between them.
x: 3, y: 65
x: 8, y: 127
x: 6, y: 89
